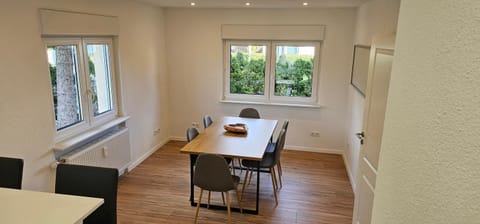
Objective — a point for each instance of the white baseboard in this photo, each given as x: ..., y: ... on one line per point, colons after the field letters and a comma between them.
x: 287, y: 147
x: 349, y: 173
x: 147, y: 154
x: 313, y: 149
x: 329, y: 151
x: 177, y: 138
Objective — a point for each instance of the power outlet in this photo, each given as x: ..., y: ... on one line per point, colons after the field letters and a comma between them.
x: 156, y: 131
x: 195, y: 124
x: 315, y: 134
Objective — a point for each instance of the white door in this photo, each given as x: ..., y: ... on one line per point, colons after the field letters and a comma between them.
x: 380, y: 66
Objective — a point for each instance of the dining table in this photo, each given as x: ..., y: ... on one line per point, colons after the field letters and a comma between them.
x: 25, y: 206
x: 216, y: 140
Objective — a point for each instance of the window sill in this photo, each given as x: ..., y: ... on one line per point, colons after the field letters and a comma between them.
x: 316, y: 106
x: 78, y: 139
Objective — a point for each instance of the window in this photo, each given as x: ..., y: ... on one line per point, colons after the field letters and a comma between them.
x: 271, y: 71
x: 81, y: 74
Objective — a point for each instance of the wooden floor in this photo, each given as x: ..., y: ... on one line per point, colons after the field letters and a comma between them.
x: 315, y: 190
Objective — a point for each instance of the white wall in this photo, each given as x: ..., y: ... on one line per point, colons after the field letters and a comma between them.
x: 26, y: 115
x: 195, y: 62
x: 373, y: 17
x: 429, y: 169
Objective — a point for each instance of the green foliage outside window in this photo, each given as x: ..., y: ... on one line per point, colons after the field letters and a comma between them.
x: 53, y: 79
x: 93, y: 85
x: 247, y: 76
x: 293, y: 76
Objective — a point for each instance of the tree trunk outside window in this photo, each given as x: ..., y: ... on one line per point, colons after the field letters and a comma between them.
x: 67, y: 98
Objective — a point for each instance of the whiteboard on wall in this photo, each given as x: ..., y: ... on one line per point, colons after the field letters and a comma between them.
x: 361, y: 55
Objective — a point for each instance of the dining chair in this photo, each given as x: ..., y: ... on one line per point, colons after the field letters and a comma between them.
x: 271, y: 149
x: 191, y: 134
x: 249, y: 113
x: 11, y: 172
x: 207, y: 121
x: 268, y: 161
x: 90, y: 181
x: 212, y: 174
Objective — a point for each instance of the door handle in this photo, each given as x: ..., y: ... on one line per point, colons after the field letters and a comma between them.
x: 361, y: 136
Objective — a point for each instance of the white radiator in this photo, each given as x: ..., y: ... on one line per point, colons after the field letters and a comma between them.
x: 111, y: 150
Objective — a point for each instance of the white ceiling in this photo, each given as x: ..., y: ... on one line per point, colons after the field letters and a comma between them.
x: 255, y: 3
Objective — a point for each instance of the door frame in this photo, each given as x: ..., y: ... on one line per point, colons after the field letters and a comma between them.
x: 384, y: 43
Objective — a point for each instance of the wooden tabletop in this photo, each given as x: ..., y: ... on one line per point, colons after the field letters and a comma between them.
x: 22, y: 206
x: 215, y: 140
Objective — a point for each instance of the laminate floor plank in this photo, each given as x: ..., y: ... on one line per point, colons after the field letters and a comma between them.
x: 315, y: 189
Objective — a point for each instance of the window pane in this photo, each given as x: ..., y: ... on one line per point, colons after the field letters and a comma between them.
x: 294, y: 70
x: 247, y: 69
x: 99, y: 78
x: 64, y: 77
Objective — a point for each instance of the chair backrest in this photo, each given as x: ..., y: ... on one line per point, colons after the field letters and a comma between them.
x: 207, y: 121
x: 212, y: 173
x: 91, y: 181
x: 285, y: 124
x: 279, y: 145
x: 284, y: 127
x: 249, y: 113
x: 11, y: 172
x: 191, y: 134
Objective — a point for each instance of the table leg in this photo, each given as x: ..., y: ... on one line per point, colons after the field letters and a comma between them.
x: 192, y: 192
x: 258, y: 187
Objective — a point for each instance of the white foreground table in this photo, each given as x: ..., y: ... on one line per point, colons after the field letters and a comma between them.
x: 24, y: 207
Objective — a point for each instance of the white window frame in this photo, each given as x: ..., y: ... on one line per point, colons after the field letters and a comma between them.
x: 112, y: 114
x: 89, y: 120
x: 269, y: 82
